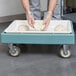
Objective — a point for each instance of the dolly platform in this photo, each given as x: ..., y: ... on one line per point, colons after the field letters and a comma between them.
x: 64, y: 39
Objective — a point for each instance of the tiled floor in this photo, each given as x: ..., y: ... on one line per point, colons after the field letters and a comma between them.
x: 37, y: 61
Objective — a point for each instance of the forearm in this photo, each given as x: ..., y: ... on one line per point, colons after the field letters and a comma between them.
x: 52, y: 5
x: 26, y: 6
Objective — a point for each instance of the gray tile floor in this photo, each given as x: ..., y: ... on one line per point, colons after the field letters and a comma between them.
x: 37, y: 62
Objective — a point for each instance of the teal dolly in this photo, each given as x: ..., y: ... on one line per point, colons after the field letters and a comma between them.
x: 50, y: 38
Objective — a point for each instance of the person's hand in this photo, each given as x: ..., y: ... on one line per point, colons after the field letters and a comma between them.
x: 47, y: 20
x: 30, y: 19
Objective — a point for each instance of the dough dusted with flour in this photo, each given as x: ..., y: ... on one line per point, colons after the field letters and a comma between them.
x: 61, y: 28
x: 23, y: 28
x: 39, y: 26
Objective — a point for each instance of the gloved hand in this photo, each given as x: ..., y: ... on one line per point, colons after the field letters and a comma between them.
x: 47, y: 20
x: 30, y: 19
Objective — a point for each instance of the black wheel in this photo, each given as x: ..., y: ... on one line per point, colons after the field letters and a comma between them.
x: 65, y: 55
x: 14, y: 51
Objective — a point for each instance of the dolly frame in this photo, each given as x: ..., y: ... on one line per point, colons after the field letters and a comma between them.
x: 49, y: 38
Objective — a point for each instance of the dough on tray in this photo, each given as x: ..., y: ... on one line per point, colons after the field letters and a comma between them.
x: 61, y: 28
x: 23, y: 28
x: 39, y: 26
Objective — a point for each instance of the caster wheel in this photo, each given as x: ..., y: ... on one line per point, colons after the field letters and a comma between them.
x: 14, y: 51
x: 65, y: 55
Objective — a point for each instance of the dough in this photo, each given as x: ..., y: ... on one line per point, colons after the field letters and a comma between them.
x: 61, y: 28
x: 23, y: 28
x: 38, y: 26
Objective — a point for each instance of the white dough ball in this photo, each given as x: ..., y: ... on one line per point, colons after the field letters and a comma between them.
x: 38, y: 26
x: 61, y: 28
x: 23, y: 28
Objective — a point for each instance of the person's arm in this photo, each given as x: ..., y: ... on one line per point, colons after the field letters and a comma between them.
x: 26, y: 6
x: 52, y: 5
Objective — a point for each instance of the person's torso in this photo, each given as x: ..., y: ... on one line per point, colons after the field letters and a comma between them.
x: 41, y: 4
